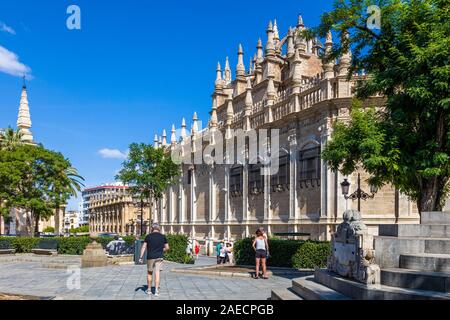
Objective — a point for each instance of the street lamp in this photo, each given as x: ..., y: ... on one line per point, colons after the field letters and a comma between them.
x: 138, y: 199
x: 358, y: 194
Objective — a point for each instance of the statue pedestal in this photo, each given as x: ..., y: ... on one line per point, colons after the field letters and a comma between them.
x: 94, y: 256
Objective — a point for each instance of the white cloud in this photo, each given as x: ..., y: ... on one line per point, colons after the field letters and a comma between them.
x: 5, y: 28
x: 10, y: 64
x: 112, y: 154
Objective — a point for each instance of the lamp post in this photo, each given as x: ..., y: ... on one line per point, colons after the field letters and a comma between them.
x: 139, y: 200
x: 358, y: 194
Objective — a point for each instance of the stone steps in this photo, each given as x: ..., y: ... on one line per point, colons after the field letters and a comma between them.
x: 360, y: 291
x: 416, y: 279
x: 309, y: 289
x: 425, y: 261
x: 415, y: 230
x: 284, y: 294
x: 435, y: 218
x: 388, y: 249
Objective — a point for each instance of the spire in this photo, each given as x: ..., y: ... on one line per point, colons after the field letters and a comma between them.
x: 346, y: 57
x: 194, y: 128
x: 183, y: 129
x: 250, y: 68
x: 213, y: 121
x: 24, y: 119
x: 230, y: 115
x: 164, y: 138
x: 290, y: 43
x: 227, y: 71
x: 300, y: 22
x: 296, y: 72
x: 160, y: 142
x: 248, y: 105
x: 173, y: 137
x: 240, y: 68
x: 248, y: 96
x: 328, y: 66
x: 276, y: 35
x: 218, y: 83
x: 271, y: 93
x: 230, y: 110
x: 155, y: 142
x: 270, y: 46
x: 259, y: 52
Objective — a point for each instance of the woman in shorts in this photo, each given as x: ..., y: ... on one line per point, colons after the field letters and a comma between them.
x: 261, y: 247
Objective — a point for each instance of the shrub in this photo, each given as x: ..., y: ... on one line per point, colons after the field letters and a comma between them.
x: 285, y: 253
x: 281, y: 252
x: 72, y: 245
x: 79, y: 229
x: 177, y: 252
x: 311, y: 255
x: 49, y: 229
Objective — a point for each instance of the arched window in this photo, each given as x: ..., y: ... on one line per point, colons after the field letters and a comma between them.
x: 280, y: 181
x: 236, y: 181
x: 255, y: 179
x: 309, y: 164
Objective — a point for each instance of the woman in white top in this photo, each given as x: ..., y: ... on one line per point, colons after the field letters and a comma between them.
x: 261, y: 247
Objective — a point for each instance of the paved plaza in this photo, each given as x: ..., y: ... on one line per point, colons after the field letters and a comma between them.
x: 128, y: 282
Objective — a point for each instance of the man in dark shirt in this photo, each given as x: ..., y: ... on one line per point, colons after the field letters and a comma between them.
x: 156, y: 244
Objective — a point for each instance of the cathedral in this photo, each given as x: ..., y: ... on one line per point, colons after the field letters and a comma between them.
x: 286, y: 87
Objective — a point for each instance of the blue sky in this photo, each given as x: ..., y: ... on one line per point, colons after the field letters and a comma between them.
x: 133, y: 69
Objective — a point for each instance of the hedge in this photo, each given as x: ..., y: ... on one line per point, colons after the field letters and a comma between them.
x: 76, y: 245
x: 285, y: 253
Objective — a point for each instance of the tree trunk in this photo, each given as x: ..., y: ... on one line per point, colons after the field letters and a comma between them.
x: 431, y: 195
x: 36, y: 226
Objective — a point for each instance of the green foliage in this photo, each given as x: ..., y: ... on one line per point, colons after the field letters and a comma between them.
x: 72, y: 245
x: 177, y: 252
x: 81, y: 229
x: 35, y: 179
x: 21, y: 244
x: 311, y: 255
x: 283, y: 253
x: 10, y: 139
x: 49, y: 229
x: 408, y: 145
x: 148, y: 170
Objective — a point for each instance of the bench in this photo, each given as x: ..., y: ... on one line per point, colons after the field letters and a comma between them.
x: 5, y: 248
x: 46, y: 247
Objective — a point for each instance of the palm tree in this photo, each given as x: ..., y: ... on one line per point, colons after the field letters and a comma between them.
x: 71, y: 183
x: 10, y: 139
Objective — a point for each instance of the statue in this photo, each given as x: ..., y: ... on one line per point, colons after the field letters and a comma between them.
x: 352, y: 254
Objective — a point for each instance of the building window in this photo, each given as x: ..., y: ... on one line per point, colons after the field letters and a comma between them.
x: 255, y: 179
x: 189, y: 176
x: 236, y: 181
x: 309, y: 167
x: 280, y: 181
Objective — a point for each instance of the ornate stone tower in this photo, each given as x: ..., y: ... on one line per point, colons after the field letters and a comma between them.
x: 24, y: 119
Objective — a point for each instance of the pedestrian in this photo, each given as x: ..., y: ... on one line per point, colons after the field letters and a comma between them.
x: 230, y: 253
x: 223, y: 253
x: 261, y: 247
x: 156, y: 244
x: 218, y: 247
x: 197, y: 249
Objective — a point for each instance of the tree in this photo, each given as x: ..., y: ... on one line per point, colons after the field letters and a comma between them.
x: 10, y: 139
x: 408, y: 143
x: 148, y: 171
x: 31, y: 179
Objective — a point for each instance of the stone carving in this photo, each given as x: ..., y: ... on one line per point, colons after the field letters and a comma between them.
x: 353, y: 255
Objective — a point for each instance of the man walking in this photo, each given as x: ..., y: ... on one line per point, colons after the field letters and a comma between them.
x: 156, y: 244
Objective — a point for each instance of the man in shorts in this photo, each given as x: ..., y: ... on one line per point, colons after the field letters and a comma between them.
x: 156, y: 244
